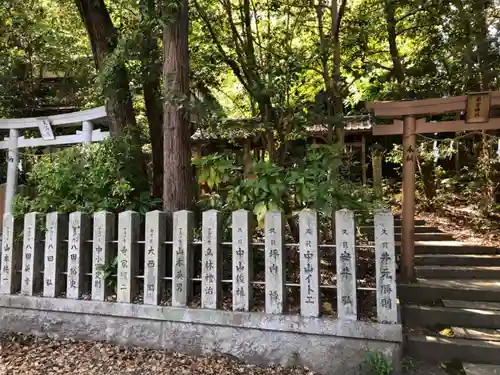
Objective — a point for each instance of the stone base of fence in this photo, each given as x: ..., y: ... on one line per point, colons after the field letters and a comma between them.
x: 328, y: 346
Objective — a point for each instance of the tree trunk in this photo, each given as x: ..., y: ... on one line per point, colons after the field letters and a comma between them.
x: 482, y: 42
x: 338, y: 107
x: 428, y: 181
x: 151, y: 74
x: 481, y: 38
x: 397, y: 65
x: 103, y: 39
x: 178, y: 177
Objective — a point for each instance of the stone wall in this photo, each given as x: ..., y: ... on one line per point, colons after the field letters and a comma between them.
x: 328, y: 346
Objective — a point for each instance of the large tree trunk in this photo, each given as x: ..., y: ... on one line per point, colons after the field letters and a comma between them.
x: 103, y: 39
x: 151, y: 75
x: 178, y: 177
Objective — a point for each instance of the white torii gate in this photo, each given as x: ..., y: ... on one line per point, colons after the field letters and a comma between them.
x: 45, y: 124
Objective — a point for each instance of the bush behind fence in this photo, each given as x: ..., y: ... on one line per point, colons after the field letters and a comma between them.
x: 73, y: 255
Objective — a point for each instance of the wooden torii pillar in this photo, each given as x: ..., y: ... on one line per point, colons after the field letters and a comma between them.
x: 409, y: 120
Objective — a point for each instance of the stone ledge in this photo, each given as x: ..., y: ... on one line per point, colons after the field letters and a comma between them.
x: 323, y: 354
x: 259, y: 321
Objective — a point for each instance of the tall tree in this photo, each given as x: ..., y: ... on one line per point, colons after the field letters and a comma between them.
x: 178, y: 176
x: 103, y: 38
x: 151, y: 71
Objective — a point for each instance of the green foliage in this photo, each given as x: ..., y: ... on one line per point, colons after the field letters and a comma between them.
x: 263, y: 61
x: 377, y: 363
x: 428, y: 171
x: 319, y: 184
x: 107, y: 269
x: 476, y: 181
x: 42, y: 39
x: 215, y: 170
x: 86, y: 178
x: 313, y: 183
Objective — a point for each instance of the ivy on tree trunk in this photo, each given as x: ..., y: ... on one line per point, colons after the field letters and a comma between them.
x: 103, y: 38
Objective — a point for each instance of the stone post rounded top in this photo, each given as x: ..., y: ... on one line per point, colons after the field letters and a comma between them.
x: 377, y: 149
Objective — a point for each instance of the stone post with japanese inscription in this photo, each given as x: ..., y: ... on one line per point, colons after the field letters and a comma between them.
x: 385, y: 267
x: 31, y: 278
x: 345, y: 243
x: 78, y: 254
x: 309, y: 264
x: 103, y: 233
x: 182, y: 257
x: 154, y: 257
x: 242, y: 260
x: 56, y: 225
x: 128, y: 235
x: 11, y: 258
x: 275, y: 262
x: 211, y: 263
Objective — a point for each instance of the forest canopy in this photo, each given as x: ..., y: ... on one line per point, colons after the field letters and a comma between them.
x: 166, y: 68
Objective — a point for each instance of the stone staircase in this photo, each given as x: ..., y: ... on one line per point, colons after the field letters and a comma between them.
x: 453, y: 312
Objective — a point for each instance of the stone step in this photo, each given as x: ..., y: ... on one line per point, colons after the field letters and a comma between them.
x: 455, y: 272
x: 426, y: 291
x: 397, y: 221
x: 472, y: 304
x: 434, y: 237
x: 450, y: 247
x: 444, y: 349
x: 430, y: 316
x: 369, y: 230
x: 481, y: 369
x: 457, y: 260
x: 483, y: 334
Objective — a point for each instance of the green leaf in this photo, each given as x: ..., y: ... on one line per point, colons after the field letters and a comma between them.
x: 260, y: 210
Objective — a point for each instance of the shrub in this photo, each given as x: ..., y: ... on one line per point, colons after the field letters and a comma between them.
x: 86, y: 178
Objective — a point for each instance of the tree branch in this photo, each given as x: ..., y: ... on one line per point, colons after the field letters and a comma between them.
x: 412, y: 28
x: 339, y: 20
x: 409, y: 14
x: 228, y: 60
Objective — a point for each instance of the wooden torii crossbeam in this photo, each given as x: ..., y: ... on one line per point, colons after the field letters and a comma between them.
x: 409, y: 120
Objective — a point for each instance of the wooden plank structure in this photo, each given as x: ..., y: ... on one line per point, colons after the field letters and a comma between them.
x: 410, y: 119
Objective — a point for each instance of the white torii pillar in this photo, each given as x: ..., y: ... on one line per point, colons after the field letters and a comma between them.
x: 12, y: 170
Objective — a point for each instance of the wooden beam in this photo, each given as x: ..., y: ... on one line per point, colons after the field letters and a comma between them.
x: 436, y: 127
x: 390, y: 129
x: 354, y: 144
x: 456, y: 126
x: 424, y: 106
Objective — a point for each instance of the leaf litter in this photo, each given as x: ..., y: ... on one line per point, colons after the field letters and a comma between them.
x: 29, y: 355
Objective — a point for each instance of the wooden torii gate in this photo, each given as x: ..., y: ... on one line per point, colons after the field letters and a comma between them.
x: 409, y: 120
